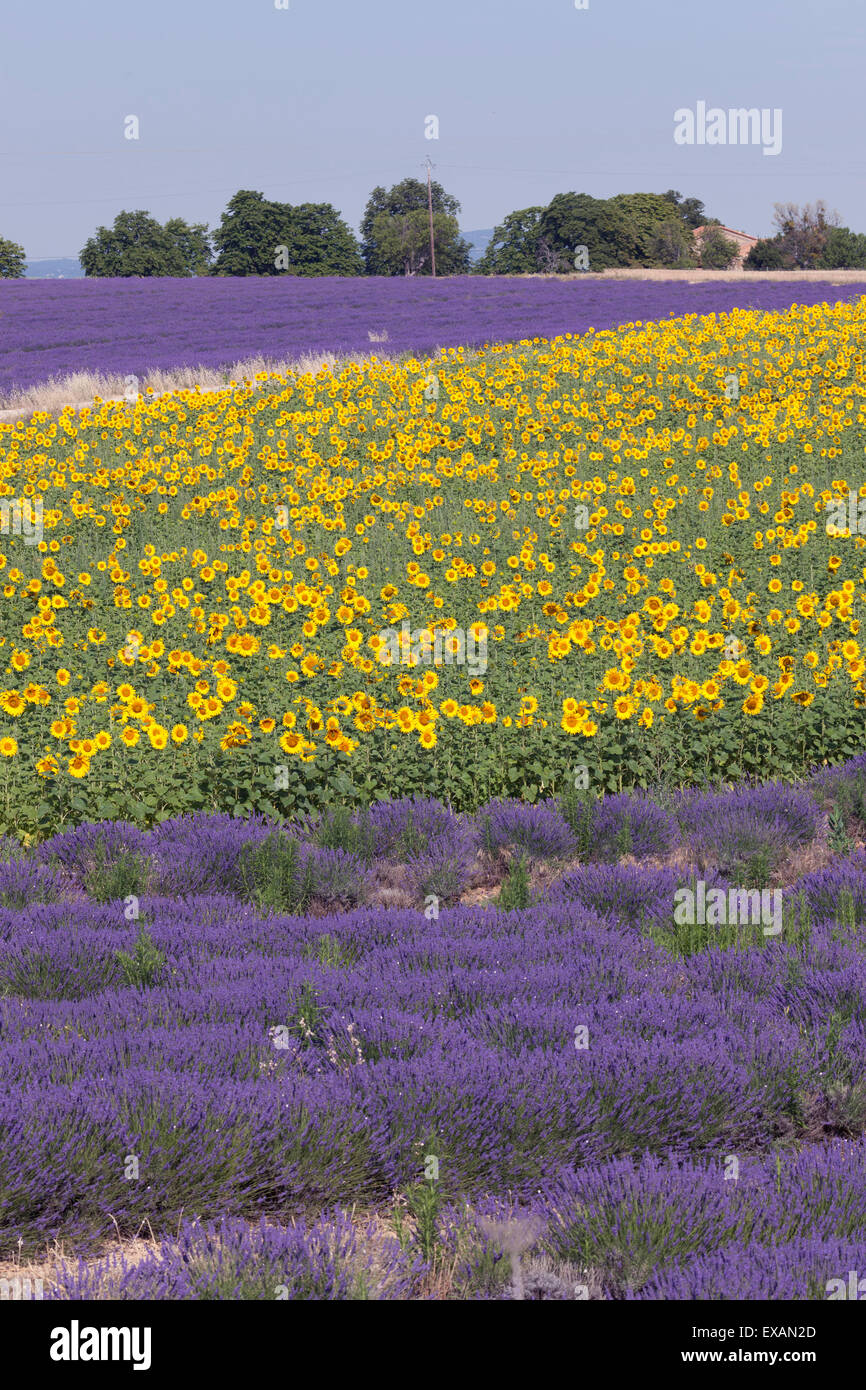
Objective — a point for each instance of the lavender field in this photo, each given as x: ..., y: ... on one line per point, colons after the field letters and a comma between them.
x: 406, y: 1054
x: 51, y: 329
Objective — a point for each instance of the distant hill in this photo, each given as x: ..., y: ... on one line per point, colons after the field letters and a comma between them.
x: 479, y: 241
x: 66, y: 268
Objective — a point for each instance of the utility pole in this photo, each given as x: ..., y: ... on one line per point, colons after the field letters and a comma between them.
x: 430, y: 212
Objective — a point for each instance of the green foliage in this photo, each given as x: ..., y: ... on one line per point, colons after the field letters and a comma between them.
x: 807, y: 238
x: 315, y: 239
x: 332, y: 953
x: 847, y: 920
x: 689, y: 210
x: 192, y: 244
x: 305, y: 1015
x: 515, y: 892
x: 803, y: 233
x: 578, y: 809
x: 844, y: 249
x: 629, y: 229
x: 766, y: 254
x: 138, y: 245
x: 12, y: 260
x: 396, y: 222
x: 624, y: 842
x: 411, y: 841
x: 718, y: 252
x: 144, y: 967
x: 109, y: 879
x: 651, y: 229
x: 576, y: 219
x: 754, y: 869
x: 513, y: 247
x: 685, y: 939
x: 671, y: 245
x: 424, y: 1202
x: 850, y: 808
x: 340, y: 829
x: 839, y: 839
x: 275, y: 875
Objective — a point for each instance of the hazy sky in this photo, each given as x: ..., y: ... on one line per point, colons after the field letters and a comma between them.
x: 322, y: 101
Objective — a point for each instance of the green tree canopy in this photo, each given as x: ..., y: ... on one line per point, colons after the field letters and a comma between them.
x: 513, y: 247
x: 630, y: 229
x: 260, y: 237
x: 135, y: 245
x: 393, y: 247
x: 12, y: 260
x: 319, y: 242
x: 844, y: 250
x: 576, y: 219
x: 651, y: 229
x: 718, y: 252
x: 804, y: 239
x: 670, y: 245
x: 766, y: 254
x: 689, y: 210
x: 192, y: 243
x: 250, y: 230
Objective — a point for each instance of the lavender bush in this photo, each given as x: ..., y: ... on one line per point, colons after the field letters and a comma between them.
x: 232, y: 1259
x: 757, y: 825
x: 539, y: 831
x: 631, y: 825
x: 259, y: 1065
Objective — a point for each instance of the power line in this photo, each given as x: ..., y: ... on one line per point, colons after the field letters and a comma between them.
x: 203, y: 192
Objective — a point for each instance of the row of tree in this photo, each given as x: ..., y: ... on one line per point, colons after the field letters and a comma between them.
x: 577, y: 231
x: 574, y: 232
x: 808, y: 238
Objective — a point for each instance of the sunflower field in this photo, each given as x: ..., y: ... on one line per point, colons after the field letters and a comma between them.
x: 633, y: 524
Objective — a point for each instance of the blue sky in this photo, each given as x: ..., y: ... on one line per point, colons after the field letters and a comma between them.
x: 324, y: 100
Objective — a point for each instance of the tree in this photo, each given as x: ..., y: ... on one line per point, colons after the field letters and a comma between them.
x: 671, y: 245
x: 572, y: 220
x: 803, y: 232
x: 766, y: 254
x: 690, y: 210
x: 717, y: 251
x: 404, y: 201
x: 12, y: 261
x: 320, y: 242
x: 250, y: 230
x: 844, y: 249
x: 136, y: 245
x: 259, y: 237
x: 513, y: 248
x: 192, y: 244
x: 403, y: 242
x: 651, y: 229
